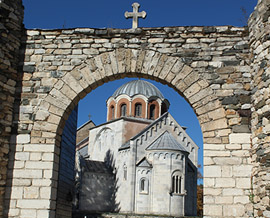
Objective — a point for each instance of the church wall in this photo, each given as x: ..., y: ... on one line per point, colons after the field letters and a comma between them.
x: 11, y: 32
x: 83, y: 131
x: 97, y: 193
x: 132, y: 128
x: 209, y: 66
x: 125, y: 193
x: 259, y: 32
x: 105, y: 138
x: 143, y: 198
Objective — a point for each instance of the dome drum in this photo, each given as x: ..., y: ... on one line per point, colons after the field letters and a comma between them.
x: 137, y: 98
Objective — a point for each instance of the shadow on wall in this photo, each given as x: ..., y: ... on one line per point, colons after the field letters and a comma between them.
x: 110, y: 163
x: 98, y: 188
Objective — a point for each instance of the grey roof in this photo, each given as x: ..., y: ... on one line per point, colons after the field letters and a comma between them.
x: 83, y: 151
x: 138, y: 87
x: 144, y: 163
x: 166, y: 142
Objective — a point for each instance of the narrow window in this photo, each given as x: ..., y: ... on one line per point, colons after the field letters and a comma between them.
x: 123, y: 110
x: 142, y: 185
x: 138, y: 110
x: 112, y: 112
x: 176, y: 183
x: 152, y: 112
x: 125, y: 172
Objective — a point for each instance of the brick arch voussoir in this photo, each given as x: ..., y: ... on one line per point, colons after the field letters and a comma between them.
x: 121, y: 63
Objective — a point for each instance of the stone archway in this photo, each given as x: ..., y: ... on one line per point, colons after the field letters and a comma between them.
x: 58, y: 74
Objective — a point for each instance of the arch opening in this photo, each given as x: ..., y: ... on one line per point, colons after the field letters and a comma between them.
x: 107, y: 137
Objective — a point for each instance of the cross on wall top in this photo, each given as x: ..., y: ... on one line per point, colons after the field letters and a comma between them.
x: 135, y: 15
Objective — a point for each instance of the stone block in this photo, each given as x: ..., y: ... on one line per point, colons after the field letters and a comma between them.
x: 38, y: 165
x: 208, y: 161
x: 27, y: 174
x: 243, y: 183
x: 13, y: 212
x: 35, y: 156
x: 48, y: 156
x: 210, y: 153
x: 45, y: 213
x: 33, y: 204
x: 215, y: 147
x: 223, y: 200
x: 240, y: 138
x: 232, y: 192
x: 208, y: 200
x: 208, y: 182
x: 50, y: 174
x: 39, y: 147
x: 212, y: 171
x: 31, y: 192
x: 227, y: 160
x: 226, y: 171
x: 241, y: 200
x: 212, y: 191
x: 42, y: 115
x: 242, y: 171
x: 21, y: 182
x: 233, y: 146
x: 28, y: 213
x: 241, y: 153
x: 23, y: 138
x: 48, y: 193
x: 215, y: 124
x: 234, y: 210
x: 16, y: 193
x: 22, y: 156
x: 225, y: 182
x: 217, y: 114
x: 43, y: 182
x: 212, y: 210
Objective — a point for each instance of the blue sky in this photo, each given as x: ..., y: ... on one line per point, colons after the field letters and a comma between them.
x: 55, y: 14
x: 104, y: 13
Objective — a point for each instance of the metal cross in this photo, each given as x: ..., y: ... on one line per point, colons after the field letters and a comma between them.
x: 135, y: 14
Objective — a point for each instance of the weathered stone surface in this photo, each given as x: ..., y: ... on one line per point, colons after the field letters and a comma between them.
x: 219, y: 56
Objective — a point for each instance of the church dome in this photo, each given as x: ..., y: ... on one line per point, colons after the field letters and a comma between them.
x: 136, y: 87
x: 137, y: 98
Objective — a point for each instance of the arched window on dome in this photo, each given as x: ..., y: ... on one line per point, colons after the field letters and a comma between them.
x: 138, y: 110
x: 152, y: 112
x: 123, y: 110
x: 176, y: 183
x: 112, y: 112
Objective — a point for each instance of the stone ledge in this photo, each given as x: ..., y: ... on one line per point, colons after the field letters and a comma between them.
x: 121, y: 215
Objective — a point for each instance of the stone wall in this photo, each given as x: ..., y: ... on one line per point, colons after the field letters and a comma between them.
x: 209, y: 66
x: 259, y: 27
x: 11, y: 17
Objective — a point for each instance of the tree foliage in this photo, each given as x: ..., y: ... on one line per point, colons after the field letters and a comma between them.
x: 200, y: 200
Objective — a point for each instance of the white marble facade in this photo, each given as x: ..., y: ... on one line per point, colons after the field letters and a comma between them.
x: 151, y: 163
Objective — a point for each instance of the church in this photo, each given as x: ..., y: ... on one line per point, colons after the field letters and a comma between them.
x: 140, y: 161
